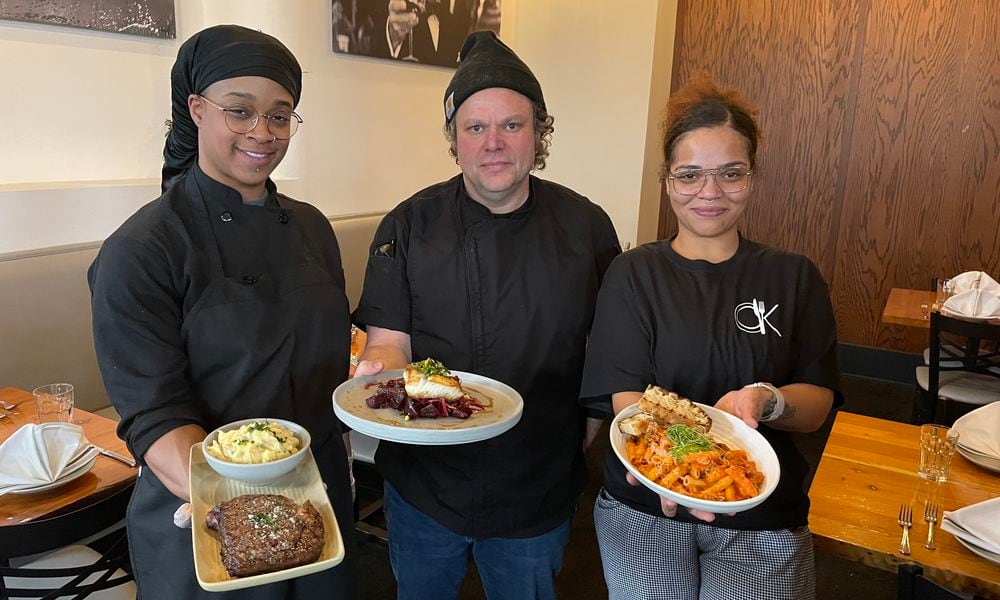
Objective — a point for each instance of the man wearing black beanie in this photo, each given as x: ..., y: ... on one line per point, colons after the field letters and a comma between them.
x: 493, y: 272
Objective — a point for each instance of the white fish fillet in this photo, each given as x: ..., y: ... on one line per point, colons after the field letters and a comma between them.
x: 419, y: 385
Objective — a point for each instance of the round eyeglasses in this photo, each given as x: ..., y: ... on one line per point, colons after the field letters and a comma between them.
x: 282, y: 124
x: 729, y: 179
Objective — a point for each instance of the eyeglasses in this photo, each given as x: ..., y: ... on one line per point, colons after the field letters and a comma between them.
x: 243, y: 119
x: 730, y: 180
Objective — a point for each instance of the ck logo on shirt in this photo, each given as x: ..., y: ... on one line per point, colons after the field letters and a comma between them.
x: 751, y: 317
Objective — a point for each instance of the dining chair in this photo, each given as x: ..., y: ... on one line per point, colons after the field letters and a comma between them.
x: 68, y: 568
x: 958, y: 368
x: 368, y: 486
x: 912, y: 585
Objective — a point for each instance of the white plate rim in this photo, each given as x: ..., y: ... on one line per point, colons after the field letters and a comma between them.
x: 424, y: 436
x: 954, y: 315
x: 80, y: 471
x: 980, y: 552
x: 986, y: 462
x: 714, y: 506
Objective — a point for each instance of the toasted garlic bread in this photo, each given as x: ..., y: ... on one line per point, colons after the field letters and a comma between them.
x: 668, y: 408
x: 419, y: 385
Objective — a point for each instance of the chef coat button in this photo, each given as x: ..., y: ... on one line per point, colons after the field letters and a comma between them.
x: 283, y: 218
x: 227, y: 217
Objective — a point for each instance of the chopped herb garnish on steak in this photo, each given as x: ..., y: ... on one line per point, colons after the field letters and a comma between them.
x: 262, y: 519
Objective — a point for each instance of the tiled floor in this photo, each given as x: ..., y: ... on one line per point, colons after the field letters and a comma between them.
x: 581, y: 577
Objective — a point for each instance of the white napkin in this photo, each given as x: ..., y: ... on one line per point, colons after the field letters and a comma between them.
x: 979, y: 304
x: 40, y: 454
x: 978, y: 524
x: 980, y: 430
x: 974, y: 280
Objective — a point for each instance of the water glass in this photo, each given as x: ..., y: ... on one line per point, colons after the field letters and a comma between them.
x: 945, y: 290
x: 937, y: 446
x: 54, y: 402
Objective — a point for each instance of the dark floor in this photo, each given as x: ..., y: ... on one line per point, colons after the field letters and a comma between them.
x: 581, y: 577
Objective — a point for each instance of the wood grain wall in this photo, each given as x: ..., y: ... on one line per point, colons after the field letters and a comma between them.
x: 881, y: 151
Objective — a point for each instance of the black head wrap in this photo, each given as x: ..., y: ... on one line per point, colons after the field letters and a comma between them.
x: 214, y: 54
x: 486, y: 62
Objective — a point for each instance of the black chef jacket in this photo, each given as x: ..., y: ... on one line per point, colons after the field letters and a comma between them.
x: 702, y: 330
x: 510, y: 297
x: 207, y: 310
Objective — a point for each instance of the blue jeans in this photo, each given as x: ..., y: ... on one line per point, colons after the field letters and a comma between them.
x: 429, y: 560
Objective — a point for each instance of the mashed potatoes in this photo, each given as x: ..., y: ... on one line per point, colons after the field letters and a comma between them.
x: 257, y: 442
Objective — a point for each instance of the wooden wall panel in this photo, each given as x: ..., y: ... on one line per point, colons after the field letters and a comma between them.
x: 881, y: 153
x: 921, y: 196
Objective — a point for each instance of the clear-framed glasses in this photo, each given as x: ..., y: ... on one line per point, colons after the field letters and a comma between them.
x: 242, y: 119
x: 729, y: 179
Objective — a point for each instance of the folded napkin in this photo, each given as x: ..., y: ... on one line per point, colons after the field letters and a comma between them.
x: 40, y: 454
x: 979, y: 430
x: 978, y: 524
x: 978, y: 304
x: 974, y: 280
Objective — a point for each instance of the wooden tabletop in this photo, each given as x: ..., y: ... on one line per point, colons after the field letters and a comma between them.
x: 867, y: 471
x: 904, y: 307
x: 107, y: 475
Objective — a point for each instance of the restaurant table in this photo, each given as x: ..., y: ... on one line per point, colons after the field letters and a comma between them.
x: 868, y: 469
x: 107, y: 476
x: 909, y: 307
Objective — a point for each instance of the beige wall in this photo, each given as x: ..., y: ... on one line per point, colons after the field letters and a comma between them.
x: 95, y: 104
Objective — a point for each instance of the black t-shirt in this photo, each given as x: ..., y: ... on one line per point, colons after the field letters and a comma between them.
x: 702, y: 330
x: 509, y: 297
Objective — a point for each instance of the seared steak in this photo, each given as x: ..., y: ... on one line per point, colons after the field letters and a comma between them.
x: 264, y: 532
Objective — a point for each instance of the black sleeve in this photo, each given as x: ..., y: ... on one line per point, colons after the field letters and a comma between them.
x: 618, y: 355
x: 385, y: 299
x: 815, y: 335
x: 137, y: 335
x: 608, y: 246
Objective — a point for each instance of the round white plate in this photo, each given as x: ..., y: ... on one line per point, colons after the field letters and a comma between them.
x: 388, y: 424
x: 982, y: 552
x: 986, y: 462
x: 727, y: 429
x: 75, y: 474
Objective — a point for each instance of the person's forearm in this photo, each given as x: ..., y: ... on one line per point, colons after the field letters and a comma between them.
x: 593, y: 427
x: 170, y: 457
x: 391, y: 357
x: 806, y: 408
x: 622, y: 400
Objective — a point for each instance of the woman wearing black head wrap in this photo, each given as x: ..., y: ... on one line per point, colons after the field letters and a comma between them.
x: 222, y: 300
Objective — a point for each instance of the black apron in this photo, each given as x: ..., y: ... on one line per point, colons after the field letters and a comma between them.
x: 274, y: 347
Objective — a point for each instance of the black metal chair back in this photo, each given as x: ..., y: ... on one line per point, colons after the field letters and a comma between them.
x: 44, y: 535
x: 948, y: 334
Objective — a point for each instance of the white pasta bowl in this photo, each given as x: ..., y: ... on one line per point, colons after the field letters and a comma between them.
x: 257, y: 473
x: 731, y: 431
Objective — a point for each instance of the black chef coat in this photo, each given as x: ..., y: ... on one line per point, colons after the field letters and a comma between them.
x: 510, y: 297
x: 702, y: 330
x: 207, y: 310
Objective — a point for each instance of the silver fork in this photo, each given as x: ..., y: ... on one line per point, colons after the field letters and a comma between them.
x: 932, y: 511
x: 905, y: 521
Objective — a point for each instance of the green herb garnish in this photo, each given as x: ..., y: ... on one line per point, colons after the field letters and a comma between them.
x: 280, y: 439
x: 258, y: 426
x: 687, y: 440
x: 262, y: 519
x: 242, y: 442
x: 431, y: 367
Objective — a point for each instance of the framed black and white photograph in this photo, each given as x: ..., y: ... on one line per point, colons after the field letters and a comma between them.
x: 419, y: 31
x: 149, y: 18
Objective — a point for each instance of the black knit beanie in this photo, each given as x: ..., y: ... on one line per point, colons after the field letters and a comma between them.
x: 486, y: 62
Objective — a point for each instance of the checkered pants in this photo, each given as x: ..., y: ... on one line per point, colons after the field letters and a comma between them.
x: 653, y: 558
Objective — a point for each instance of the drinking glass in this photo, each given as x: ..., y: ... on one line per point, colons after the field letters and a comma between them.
x: 54, y: 402
x: 937, y: 446
x: 945, y: 290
